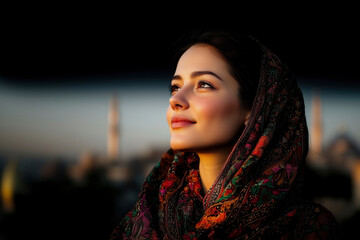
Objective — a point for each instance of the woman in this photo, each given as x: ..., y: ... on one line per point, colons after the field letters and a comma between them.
x: 239, y: 140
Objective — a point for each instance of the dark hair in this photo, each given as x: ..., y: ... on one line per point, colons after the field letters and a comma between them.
x: 241, y: 52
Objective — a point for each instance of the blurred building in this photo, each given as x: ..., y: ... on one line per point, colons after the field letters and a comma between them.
x: 335, y: 177
x: 12, y: 185
x: 85, y: 197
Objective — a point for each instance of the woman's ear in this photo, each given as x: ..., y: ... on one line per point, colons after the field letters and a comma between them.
x: 247, y: 117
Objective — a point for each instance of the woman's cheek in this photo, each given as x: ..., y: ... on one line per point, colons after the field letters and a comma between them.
x: 221, y: 118
x: 217, y: 108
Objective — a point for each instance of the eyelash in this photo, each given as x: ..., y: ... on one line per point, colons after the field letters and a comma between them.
x: 172, y: 88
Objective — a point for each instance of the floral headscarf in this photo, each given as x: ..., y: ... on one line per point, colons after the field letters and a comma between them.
x: 256, y: 195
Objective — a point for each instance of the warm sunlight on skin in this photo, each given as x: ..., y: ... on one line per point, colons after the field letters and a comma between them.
x: 205, y: 113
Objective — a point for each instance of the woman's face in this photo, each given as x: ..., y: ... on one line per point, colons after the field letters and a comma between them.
x: 205, y: 110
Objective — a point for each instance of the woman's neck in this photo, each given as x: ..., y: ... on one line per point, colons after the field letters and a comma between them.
x: 210, y: 166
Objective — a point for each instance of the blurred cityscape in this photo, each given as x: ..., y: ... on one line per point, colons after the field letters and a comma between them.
x: 85, y: 198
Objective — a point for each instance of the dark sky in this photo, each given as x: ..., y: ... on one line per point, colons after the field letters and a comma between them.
x: 40, y: 46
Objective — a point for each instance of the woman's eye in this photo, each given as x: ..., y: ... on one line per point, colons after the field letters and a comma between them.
x: 203, y: 84
x: 173, y: 88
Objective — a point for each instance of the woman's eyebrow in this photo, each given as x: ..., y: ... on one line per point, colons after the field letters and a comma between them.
x: 200, y: 73
x: 197, y: 74
x: 176, y: 77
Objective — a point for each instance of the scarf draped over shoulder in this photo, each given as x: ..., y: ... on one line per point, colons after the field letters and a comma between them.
x: 256, y: 196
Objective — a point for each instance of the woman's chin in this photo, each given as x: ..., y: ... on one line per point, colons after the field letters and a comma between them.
x: 182, y: 147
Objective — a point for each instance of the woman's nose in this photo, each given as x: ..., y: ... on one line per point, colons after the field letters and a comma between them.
x: 179, y: 100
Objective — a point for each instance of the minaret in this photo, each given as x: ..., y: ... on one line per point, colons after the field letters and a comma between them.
x: 316, y: 125
x: 113, y: 134
x: 315, y: 157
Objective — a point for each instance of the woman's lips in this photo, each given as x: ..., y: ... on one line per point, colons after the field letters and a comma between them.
x: 180, y: 121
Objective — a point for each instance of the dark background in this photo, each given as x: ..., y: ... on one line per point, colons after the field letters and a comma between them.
x: 51, y: 45
x: 40, y: 44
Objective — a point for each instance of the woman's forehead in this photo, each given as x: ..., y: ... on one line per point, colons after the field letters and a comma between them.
x: 201, y: 57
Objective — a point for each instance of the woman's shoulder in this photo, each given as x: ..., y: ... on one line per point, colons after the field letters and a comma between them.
x: 313, y: 209
x: 313, y: 220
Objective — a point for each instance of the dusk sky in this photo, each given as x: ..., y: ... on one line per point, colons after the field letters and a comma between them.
x: 68, y: 120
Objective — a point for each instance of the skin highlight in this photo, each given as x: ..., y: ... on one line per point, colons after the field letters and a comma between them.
x: 204, y: 92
